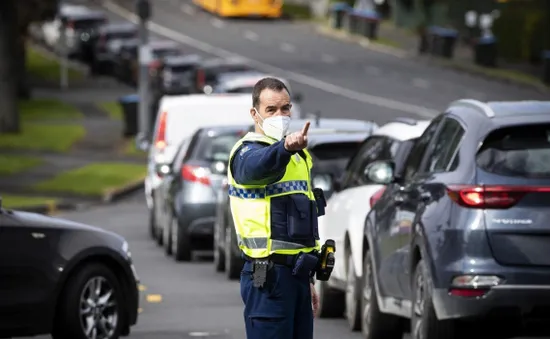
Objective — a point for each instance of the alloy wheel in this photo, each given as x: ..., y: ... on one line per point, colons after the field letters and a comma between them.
x: 418, y: 307
x: 98, y: 309
x: 174, y: 242
x: 366, y: 294
x: 350, y: 291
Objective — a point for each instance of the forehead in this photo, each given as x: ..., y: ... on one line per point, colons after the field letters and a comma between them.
x: 269, y: 97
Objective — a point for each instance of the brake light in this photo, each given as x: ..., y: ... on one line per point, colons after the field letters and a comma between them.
x: 160, y: 141
x: 155, y: 64
x: 200, y: 79
x: 376, y: 196
x: 70, y: 25
x: 196, y: 174
x: 490, y: 196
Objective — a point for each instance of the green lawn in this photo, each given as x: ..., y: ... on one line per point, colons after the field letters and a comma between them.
x: 55, y: 138
x: 296, y: 11
x: 95, y: 179
x: 113, y: 109
x: 47, y: 67
x: 47, y: 109
x: 16, y: 201
x: 11, y: 164
x: 130, y: 148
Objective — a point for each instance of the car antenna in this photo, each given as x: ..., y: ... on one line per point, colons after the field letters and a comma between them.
x: 318, y: 119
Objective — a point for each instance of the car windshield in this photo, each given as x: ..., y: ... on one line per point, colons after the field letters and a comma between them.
x: 86, y: 23
x: 335, y: 151
x: 165, y: 52
x: 217, y: 147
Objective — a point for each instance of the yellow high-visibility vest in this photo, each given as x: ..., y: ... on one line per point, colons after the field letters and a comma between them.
x: 251, y: 205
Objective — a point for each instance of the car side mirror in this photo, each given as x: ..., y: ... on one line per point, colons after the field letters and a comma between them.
x: 163, y: 170
x: 380, y: 172
x: 297, y: 98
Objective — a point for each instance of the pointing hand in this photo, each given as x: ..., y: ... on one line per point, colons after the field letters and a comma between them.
x: 297, y: 141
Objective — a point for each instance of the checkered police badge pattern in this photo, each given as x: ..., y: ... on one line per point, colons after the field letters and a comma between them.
x: 273, y: 189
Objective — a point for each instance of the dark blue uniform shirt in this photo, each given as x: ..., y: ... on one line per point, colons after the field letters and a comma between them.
x: 256, y: 163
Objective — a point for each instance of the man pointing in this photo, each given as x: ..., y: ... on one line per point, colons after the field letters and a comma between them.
x: 275, y: 215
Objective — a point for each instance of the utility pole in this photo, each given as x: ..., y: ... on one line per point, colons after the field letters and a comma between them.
x: 143, y: 8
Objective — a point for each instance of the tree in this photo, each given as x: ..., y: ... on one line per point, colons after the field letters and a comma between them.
x: 15, y: 18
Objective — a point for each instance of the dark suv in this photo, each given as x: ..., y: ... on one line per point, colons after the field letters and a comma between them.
x: 462, y: 237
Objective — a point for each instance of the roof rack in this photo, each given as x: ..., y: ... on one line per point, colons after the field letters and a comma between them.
x: 407, y: 121
x: 475, y: 104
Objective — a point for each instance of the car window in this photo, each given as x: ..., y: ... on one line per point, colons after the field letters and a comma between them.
x: 414, y: 160
x: 216, y: 147
x: 519, y: 151
x: 370, y: 151
x: 445, y: 146
x: 86, y: 23
x: 119, y: 35
x: 178, y: 159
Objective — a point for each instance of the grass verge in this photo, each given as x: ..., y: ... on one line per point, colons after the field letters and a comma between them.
x: 94, y: 180
x: 296, y: 11
x: 43, y: 66
x: 113, y: 109
x: 12, y: 164
x: 129, y: 148
x: 37, y: 137
x: 47, y: 109
x: 16, y: 201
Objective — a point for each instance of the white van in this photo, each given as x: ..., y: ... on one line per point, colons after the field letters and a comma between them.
x: 180, y: 116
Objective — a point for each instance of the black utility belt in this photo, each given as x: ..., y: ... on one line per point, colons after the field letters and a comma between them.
x: 288, y: 260
x: 302, y: 265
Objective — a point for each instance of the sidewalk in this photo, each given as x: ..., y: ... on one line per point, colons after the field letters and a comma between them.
x: 71, y: 150
x: 404, y: 43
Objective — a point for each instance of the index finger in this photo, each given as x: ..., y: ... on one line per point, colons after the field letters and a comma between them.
x: 306, y: 128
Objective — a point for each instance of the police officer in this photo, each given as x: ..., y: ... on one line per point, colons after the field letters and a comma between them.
x: 275, y: 214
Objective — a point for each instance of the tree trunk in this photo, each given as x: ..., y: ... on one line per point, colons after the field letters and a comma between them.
x: 9, y: 115
x: 23, y: 87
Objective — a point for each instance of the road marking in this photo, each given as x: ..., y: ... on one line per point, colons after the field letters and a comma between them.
x: 142, y: 288
x: 201, y: 334
x: 294, y: 76
x: 154, y: 298
x: 217, y: 23
x: 185, y: 8
x: 329, y: 59
x: 420, y: 83
x: 285, y: 46
x: 251, y: 35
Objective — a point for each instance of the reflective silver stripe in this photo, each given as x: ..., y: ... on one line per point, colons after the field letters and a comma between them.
x: 261, y: 243
x: 273, y: 189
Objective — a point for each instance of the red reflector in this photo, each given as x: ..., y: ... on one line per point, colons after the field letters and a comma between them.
x: 195, y: 174
x: 467, y: 293
x: 376, y: 196
x: 490, y: 196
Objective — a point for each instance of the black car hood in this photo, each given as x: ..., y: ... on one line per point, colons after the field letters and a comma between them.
x: 39, y: 220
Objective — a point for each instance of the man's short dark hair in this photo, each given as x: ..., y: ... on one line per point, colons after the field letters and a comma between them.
x: 266, y: 83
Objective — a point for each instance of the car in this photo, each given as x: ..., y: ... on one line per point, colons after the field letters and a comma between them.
x: 48, y: 32
x: 205, y: 77
x: 346, y: 212
x: 78, y: 25
x: 458, y: 242
x: 160, y: 49
x: 99, y: 50
x: 124, y: 52
x: 188, y: 194
x: 64, y: 278
x: 177, y: 119
x: 243, y: 82
x: 330, y: 150
x: 174, y: 76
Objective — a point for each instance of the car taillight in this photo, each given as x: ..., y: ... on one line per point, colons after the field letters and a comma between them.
x: 160, y: 140
x: 153, y: 67
x: 196, y: 174
x: 473, y: 286
x: 490, y: 196
x: 376, y: 196
x: 200, y: 79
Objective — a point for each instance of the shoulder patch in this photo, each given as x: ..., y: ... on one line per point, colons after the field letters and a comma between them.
x: 244, y: 150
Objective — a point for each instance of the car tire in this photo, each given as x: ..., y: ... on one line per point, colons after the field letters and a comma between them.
x: 160, y: 235
x: 69, y: 324
x: 181, y: 243
x: 167, y: 234
x: 233, y: 263
x: 424, y: 322
x: 219, y: 253
x: 152, y: 227
x: 332, y: 302
x: 353, y: 297
x: 374, y: 323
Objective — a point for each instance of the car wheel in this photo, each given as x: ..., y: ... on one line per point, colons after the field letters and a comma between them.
x: 233, y: 263
x: 152, y: 227
x: 332, y: 303
x: 181, y: 243
x: 91, y: 305
x: 353, y: 300
x: 219, y: 254
x: 160, y: 234
x: 167, y: 234
x: 424, y: 322
x: 374, y: 323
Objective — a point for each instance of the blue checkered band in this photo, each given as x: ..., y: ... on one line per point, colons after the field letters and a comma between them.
x: 273, y: 189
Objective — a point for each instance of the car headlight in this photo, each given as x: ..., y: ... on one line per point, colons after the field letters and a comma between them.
x: 322, y: 181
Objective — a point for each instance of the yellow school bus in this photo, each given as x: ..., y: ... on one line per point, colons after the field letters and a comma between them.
x: 242, y: 8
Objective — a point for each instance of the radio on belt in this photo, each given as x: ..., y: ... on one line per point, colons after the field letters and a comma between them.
x: 326, y: 260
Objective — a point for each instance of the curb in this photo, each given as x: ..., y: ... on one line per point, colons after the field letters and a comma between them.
x: 122, y: 192
x: 51, y: 208
x: 433, y: 61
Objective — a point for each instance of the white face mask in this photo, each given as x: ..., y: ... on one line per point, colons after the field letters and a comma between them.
x: 274, y: 127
